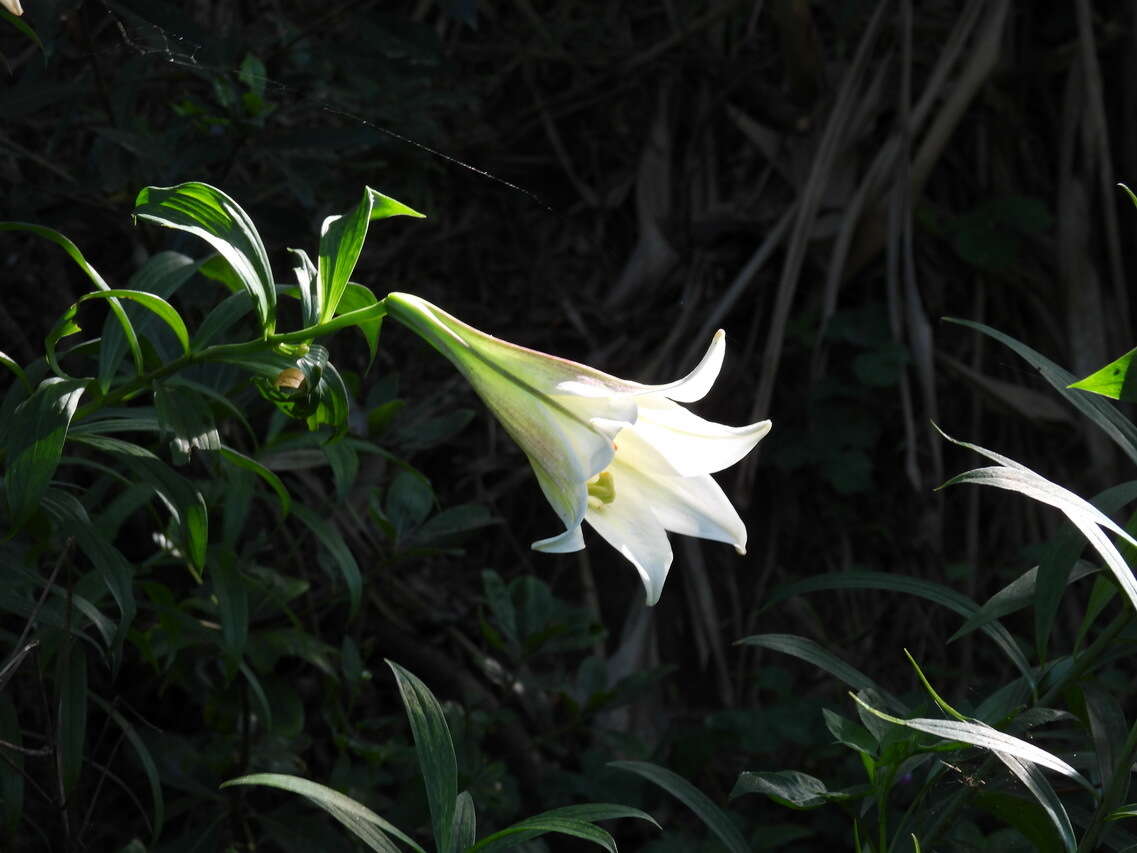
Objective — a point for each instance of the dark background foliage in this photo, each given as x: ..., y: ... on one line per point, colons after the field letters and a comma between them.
x: 612, y: 182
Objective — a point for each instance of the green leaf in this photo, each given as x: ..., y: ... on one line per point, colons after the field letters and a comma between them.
x: 9, y: 363
x: 982, y: 735
x: 1024, y: 815
x: 1096, y: 408
x: 239, y: 459
x: 1037, y: 784
x: 189, y: 418
x: 698, y: 802
x: 331, y: 539
x: 1106, y: 720
x: 465, y: 825
x: 162, y: 275
x: 153, y: 303
x: 23, y: 27
x: 232, y: 605
x: 213, y: 216
x: 1017, y: 595
x: 107, y: 560
x: 71, y: 723
x: 539, y: 824
x: 409, y: 501
x: 1081, y: 513
x: 811, y: 652
x: 184, y: 501
x: 848, y: 733
x: 356, y: 298
x: 222, y: 318
x: 1115, y: 380
x: 435, y: 753
x: 148, y: 766
x: 790, y: 788
x: 532, y: 827
x: 552, y: 821
x: 73, y: 251
x: 34, y: 443
x: 940, y: 594
x: 367, y: 826
x: 307, y: 277
x: 341, y: 240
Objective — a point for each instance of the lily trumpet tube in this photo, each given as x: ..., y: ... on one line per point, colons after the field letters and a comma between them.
x: 627, y: 458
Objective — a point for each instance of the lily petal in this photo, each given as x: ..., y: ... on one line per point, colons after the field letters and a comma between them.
x: 633, y: 530
x: 669, y: 439
x: 695, y: 385
x: 690, y: 506
x: 570, y: 540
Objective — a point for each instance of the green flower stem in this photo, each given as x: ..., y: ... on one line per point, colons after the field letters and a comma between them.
x: 220, y: 352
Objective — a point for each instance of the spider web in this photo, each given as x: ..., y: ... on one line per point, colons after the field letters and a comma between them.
x: 145, y: 37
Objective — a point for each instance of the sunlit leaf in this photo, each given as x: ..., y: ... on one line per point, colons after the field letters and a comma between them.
x: 1115, y: 380
x: 341, y: 239
x: 367, y: 826
x: 210, y: 214
x: 162, y: 274
x: 73, y: 251
x: 1099, y: 410
x: 982, y: 735
x: 1082, y: 514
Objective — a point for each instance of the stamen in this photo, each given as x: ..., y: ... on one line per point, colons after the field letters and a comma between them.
x: 601, y: 490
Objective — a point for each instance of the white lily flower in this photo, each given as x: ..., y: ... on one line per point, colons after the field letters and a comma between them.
x: 625, y: 457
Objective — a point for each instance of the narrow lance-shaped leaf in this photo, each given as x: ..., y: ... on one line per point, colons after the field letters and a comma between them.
x: 364, y: 823
x: 435, y: 752
x: 982, y: 735
x: 148, y: 766
x: 465, y: 823
x: 8, y: 362
x: 210, y: 214
x: 73, y: 251
x: 553, y: 821
x: 162, y: 274
x: 307, y: 277
x: 1085, y: 516
x: 810, y: 651
x: 185, y: 503
x: 240, y: 460
x: 331, y: 539
x: 107, y: 560
x: 715, y: 818
x: 1099, y: 410
x: 341, y: 240
x: 35, y: 441
x: 71, y: 682
x: 153, y: 303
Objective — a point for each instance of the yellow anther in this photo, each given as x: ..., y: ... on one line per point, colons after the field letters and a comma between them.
x: 601, y: 490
